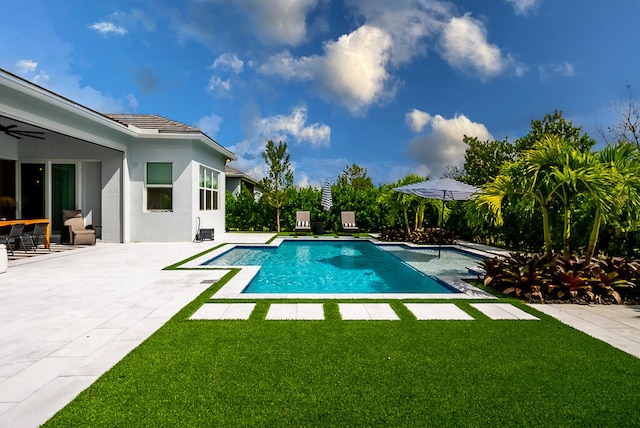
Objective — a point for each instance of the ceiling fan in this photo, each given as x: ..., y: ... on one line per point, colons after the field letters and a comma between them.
x: 16, y: 133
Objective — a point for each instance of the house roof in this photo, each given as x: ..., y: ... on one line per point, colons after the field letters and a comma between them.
x: 152, y: 121
x: 233, y: 172
x: 141, y: 125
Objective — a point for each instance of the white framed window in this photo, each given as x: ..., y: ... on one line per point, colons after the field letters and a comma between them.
x: 208, y: 189
x: 159, y: 180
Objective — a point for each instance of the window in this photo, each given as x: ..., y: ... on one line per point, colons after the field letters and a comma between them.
x: 208, y: 189
x: 159, y: 186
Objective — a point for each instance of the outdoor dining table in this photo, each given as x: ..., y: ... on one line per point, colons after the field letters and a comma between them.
x: 47, y: 234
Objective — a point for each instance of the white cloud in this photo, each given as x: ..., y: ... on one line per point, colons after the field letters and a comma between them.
x: 26, y: 66
x: 417, y: 119
x: 522, y: 7
x: 352, y: 70
x: 279, y: 127
x: 228, y: 61
x: 279, y: 21
x: 408, y: 22
x: 210, y: 125
x: 443, y: 145
x: 564, y: 69
x: 291, y: 127
x: 219, y: 86
x: 465, y: 47
x: 105, y: 27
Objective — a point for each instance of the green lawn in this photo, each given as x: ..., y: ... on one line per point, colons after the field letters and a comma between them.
x: 363, y: 373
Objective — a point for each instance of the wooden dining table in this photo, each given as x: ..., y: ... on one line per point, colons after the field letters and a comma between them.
x: 47, y: 234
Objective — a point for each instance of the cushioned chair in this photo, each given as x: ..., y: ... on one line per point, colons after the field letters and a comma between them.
x: 74, y: 230
x: 303, y: 221
x: 348, y: 220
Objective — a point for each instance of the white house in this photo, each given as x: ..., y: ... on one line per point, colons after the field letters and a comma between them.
x: 139, y: 177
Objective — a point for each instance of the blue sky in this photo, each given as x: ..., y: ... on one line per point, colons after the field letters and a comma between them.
x: 389, y: 85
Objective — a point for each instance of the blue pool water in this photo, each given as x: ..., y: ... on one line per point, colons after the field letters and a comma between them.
x: 345, y: 267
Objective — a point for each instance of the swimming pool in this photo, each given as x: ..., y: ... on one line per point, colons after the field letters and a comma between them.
x: 346, y: 267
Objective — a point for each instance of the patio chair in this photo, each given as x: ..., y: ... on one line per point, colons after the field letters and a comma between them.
x: 39, y: 230
x: 74, y: 230
x: 348, y: 220
x: 15, y: 234
x: 303, y: 221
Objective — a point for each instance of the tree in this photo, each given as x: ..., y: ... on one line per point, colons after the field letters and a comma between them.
x: 628, y: 126
x: 620, y: 165
x: 279, y: 177
x: 483, y: 159
x: 553, y: 171
x: 356, y: 177
x: 554, y: 124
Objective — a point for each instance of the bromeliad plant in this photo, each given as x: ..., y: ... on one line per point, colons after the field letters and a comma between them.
x: 571, y: 278
x: 538, y: 278
x: 521, y: 275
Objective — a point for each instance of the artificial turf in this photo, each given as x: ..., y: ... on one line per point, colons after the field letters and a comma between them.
x: 363, y: 373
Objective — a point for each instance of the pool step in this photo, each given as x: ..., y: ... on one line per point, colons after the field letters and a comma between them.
x: 360, y: 311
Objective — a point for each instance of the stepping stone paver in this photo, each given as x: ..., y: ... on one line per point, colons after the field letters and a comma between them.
x: 437, y: 311
x: 503, y: 311
x: 224, y: 311
x: 367, y: 311
x: 295, y: 311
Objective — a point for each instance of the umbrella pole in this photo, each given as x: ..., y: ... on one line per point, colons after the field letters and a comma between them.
x: 441, y: 223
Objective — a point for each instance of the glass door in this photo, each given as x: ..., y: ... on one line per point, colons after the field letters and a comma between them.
x: 63, y: 192
x: 33, y: 190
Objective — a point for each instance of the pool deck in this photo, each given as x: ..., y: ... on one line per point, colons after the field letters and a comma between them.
x: 68, y: 317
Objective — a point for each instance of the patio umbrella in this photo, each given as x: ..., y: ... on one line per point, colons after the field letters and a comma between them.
x: 327, y: 200
x: 445, y: 189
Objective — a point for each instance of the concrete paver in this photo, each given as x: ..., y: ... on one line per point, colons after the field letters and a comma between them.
x: 437, y: 311
x: 503, y: 311
x: 295, y: 311
x: 367, y: 311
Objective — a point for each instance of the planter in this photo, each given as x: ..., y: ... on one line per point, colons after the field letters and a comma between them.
x: 317, y: 228
x: 4, y: 258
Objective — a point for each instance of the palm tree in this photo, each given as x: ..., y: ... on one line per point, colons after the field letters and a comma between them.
x: 620, y: 164
x: 554, y: 170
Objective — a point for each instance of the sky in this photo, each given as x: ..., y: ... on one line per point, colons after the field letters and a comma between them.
x: 391, y: 86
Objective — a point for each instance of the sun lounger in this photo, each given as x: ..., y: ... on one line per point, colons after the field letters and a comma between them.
x: 303, y: 221
x: 348, y: 220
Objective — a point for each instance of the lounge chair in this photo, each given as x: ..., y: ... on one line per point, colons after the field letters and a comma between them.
x: 15, y: 234
x: 74, y: 230
x: 303, y: 221
x: 348, y: 220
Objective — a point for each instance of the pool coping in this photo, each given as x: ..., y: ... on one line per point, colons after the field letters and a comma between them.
x: 234, y: 287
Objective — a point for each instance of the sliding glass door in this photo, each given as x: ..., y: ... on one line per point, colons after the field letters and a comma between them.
x: 32, y: 180
x: 63, y: 192
x: 34, y: 177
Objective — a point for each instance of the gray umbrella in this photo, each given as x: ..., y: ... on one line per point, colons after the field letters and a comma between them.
x: 445, y: 189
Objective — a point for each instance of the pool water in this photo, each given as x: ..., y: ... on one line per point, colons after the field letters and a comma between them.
x: 344, y: 267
